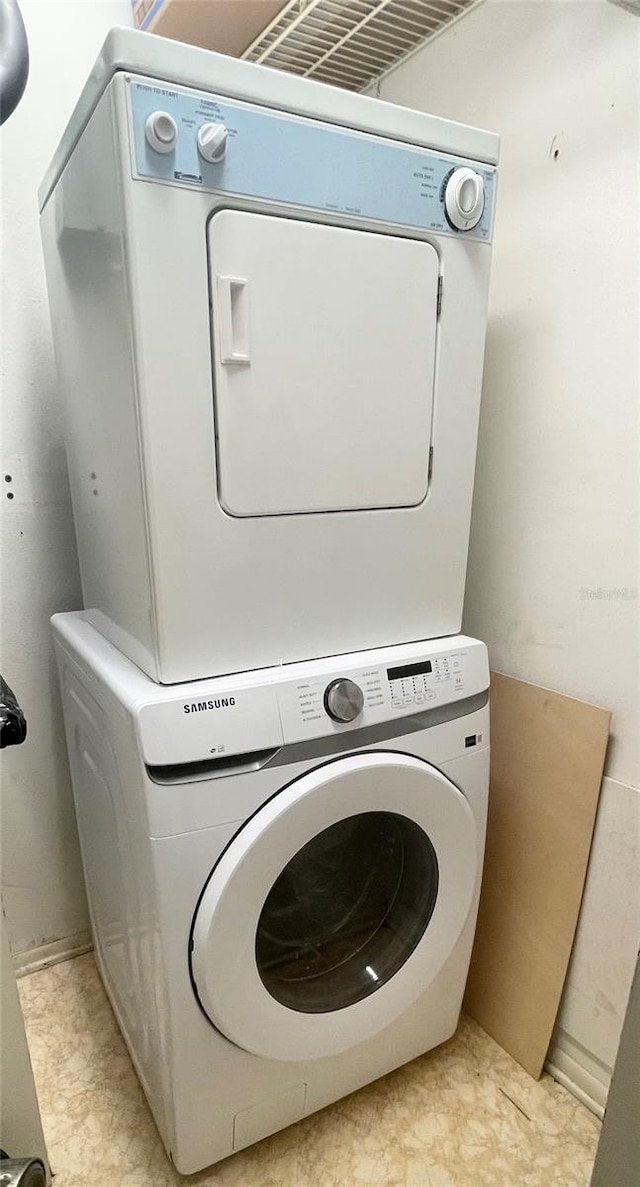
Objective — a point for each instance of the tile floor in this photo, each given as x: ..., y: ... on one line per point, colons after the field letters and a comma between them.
x: 464, y: 1115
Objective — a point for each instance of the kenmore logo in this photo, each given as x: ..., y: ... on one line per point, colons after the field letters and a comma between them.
x: 202, y: 706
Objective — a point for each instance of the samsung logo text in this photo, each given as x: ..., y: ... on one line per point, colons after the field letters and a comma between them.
x: 203, y: 706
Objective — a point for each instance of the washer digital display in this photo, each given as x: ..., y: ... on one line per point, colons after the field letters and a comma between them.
x: 420, y: 669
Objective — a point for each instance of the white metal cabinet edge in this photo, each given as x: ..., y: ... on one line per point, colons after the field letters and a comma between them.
x: 157, y: 57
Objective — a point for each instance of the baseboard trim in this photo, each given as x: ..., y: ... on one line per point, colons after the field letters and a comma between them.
x: 592, y: 1105
x: 43, y: 956
x: 581, y: 1074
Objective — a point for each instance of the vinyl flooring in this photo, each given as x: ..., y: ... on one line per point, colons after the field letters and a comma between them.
x: 464, y: 1115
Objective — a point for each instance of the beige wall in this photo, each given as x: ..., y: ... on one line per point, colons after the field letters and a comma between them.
x: 42, y: 885
x: 553, y: 583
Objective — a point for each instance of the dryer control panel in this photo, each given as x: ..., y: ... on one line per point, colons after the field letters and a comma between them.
x: 208, y: 142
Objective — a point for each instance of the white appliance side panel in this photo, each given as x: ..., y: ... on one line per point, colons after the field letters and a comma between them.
x: 234, y: 594
x: 102, y: 813
x: 85, y: 258
x: 324, y: 352
x: 108, y: 786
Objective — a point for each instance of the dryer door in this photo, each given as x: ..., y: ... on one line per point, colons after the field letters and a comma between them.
x: 335, y: 906
x: 324, y: 351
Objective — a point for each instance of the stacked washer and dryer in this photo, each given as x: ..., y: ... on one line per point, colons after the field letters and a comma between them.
x: 269, y: 299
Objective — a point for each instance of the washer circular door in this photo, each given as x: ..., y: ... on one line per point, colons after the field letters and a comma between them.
x: 335, y: 906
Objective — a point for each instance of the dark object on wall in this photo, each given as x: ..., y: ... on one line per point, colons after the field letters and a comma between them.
x: 618, y: 1157
x: 13, y: 725
x: 14, y: 58
x: 22, y: 1172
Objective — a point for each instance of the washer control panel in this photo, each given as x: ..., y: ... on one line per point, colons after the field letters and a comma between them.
x: 419, y: 684
x: 268, y: 708
x: 204, y: 141
x: 400, y: 685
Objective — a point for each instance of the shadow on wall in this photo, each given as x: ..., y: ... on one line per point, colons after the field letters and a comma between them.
x: 504, y: 443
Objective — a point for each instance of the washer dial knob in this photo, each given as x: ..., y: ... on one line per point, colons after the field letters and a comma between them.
x: 161, y: 131
x: 343, y: 699
x: 464, y: 199
x: 212, y: 142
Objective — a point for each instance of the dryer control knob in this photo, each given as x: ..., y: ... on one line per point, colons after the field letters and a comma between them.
x: 161, y: 131
x: 343, y: 699
x: 464, y: 199
x: 212, y: 142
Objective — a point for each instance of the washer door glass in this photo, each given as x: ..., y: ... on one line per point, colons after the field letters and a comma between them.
x: 335, y: 905
x: 347, y: 912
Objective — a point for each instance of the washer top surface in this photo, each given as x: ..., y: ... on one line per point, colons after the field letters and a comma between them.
x: 187, y: 65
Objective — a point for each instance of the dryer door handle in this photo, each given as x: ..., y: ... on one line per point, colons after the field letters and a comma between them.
x: 233, y: 320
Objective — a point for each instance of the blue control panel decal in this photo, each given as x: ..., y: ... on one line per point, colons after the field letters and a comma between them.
x: 301, y: 162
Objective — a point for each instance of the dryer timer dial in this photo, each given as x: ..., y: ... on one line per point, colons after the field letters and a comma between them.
x: 343, y: 699
x: 212, y: 142
x: 464, y: 199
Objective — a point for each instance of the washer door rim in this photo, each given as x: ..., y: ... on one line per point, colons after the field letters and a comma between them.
x: 225, y: 921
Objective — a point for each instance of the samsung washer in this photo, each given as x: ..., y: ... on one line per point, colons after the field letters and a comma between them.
x: 283, y: 870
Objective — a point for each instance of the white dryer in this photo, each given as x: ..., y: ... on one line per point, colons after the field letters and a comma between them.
x: 283, y: 871
x: 268, y: 300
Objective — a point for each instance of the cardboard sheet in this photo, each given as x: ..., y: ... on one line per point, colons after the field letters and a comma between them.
x: 227, y: 26
x: 547, y: 759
